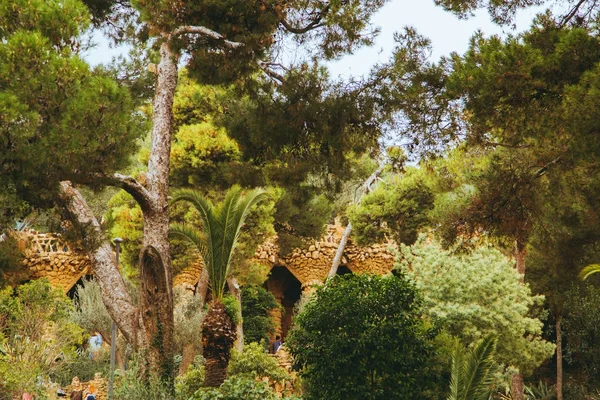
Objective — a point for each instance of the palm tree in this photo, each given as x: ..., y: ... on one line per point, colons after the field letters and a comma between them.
x: 589, y: 270
x: 472, y: 371
x: 216, y: 241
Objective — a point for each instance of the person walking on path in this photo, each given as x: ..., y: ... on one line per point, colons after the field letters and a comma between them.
x: 276, y: 344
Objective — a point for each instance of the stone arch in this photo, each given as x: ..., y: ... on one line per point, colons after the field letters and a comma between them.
x: 287, y: 289
x: 72, y: 291
x: 344, y: 270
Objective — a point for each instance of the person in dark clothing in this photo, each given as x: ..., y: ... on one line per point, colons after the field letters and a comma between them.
x: 76, y: 389
x: 276, y: 344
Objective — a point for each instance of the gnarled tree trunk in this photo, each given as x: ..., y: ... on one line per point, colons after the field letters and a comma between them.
x: 156, y: 297
x: 115, y: 297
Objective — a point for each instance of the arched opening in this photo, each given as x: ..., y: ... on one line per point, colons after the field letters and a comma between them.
x: 343, y: 270
x: 287, y: 289
x: 72, y: 293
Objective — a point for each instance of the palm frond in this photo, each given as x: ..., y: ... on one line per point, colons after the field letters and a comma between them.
x: 457, y: 371
x: 191, y: 234
x: 478, y: 367
x: 589, y: 270
x: 221, y: 228
x: 472, y: 370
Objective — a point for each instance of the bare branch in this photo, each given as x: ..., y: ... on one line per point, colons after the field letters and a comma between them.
x: 265, y: 67
x: 131, y: 186
x: 314, y: 24
x: 203, y: 31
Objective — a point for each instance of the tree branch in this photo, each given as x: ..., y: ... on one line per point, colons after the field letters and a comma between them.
x: 265, y: 67
x: 131, y: 186
x: 314, y: 24
x: 203, y: 31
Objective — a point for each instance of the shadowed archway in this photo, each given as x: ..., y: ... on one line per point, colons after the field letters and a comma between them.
x: 287, y: 289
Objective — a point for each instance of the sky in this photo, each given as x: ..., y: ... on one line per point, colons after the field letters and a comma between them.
x: 447, y: 33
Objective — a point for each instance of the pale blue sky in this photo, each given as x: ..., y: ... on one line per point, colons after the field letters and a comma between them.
x: 447, y: 34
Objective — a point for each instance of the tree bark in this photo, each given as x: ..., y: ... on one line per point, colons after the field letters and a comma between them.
x: 187, y: 358
x: 520, y: 252
x: 202, y: 286
x: 559, y: 361
x: 156, y: 294
x: 517, y: 387
x: 234, y: 289
x: 115, y: 297
x: 218, y: 336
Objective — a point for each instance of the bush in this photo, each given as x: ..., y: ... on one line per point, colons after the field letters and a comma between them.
x: 130, y: 385
x: 257, y: 302
x: 255, y: 363
x: 83, y: 367
x: 361, y: 337
x: 187, y: 384
x: 237, y: 388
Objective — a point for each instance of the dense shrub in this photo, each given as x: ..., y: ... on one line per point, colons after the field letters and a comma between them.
x: 256, y: 304
x: 254, y: 362
x: 361, y: 337
x: 237, y: 388
x: 36, y: 336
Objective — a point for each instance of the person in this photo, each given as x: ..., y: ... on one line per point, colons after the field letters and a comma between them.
x: 91, y: 392
x: 76, y: 389
x: 276, y: 344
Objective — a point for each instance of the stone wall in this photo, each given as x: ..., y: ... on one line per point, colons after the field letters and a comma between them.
x: 64, y: 264
x: 49, y: 256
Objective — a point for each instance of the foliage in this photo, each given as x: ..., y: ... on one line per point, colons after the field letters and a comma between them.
x: 36, y: 335
x: 254, y: 362
x: 477, y: 294
x: 581, y: 326
x: 232, y: 308
x: 472, y: 370
x: 132, y: 384
x: 237, y: 388
x: 49, y: 94
x: 257, y: 302
x: 397, y: 209
x: 220, y: 232
x: 186, y: 385
x: 362, y: 337
x: 90, y: 312
x: 83, y: 367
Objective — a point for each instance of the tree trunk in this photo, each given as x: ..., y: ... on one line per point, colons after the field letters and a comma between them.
x: 559, y: 361
x: 517, y: 387
x: 115, y: 297
x: 366, y: 188
x: 234, y: 289
x: 156, y: 289
x: 218, y: 336
x: 202, y: 286
x: 520, y: 252
x: 187, y: 357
